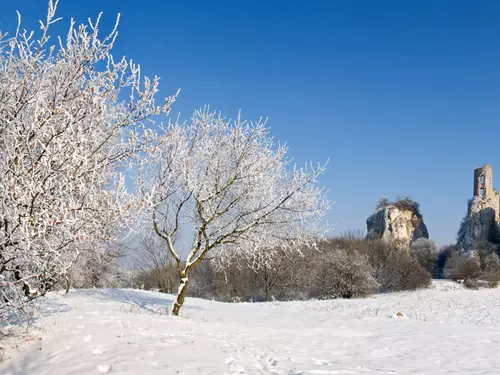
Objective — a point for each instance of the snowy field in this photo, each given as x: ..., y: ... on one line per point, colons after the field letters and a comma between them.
x: 445, y: 330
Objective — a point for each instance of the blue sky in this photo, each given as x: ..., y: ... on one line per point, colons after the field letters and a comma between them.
x: 402, y: 96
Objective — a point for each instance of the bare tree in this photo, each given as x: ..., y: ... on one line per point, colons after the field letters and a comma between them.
x: 66, y: 140
x: 237, y: 192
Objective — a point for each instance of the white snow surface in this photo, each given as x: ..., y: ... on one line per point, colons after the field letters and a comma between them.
x: 442, y: 330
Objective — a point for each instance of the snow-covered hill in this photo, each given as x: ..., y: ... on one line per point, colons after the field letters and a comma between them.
x: 444, y: 330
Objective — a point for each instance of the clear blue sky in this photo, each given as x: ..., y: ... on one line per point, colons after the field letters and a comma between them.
x: 402, y: 96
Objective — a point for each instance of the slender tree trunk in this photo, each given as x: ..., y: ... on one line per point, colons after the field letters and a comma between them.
x: 180, y: 295
x: 68, y: 284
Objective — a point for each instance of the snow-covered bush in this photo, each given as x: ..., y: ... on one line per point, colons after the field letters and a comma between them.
x: 343, y: 273
x: 95, y: 268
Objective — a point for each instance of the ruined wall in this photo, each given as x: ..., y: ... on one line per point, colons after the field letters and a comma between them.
x: 481, y: 222
x: 401, y: 223
x: 483, y: 183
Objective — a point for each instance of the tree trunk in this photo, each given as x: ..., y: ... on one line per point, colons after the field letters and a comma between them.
x: 266, y: 277
x: 68, y: 284
x: 180, y: 295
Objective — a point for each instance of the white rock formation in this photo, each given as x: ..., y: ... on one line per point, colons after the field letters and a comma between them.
x: 400, y: 222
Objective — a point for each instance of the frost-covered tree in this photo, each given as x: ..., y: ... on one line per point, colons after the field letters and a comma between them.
x: 236, y: 190
x: 72, y: 120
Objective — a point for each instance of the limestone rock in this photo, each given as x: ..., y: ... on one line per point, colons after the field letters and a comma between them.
x: 400, y: 222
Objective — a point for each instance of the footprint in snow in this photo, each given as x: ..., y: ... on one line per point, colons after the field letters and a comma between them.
x: 272, y: 361
x: 98, y: 349
x: 229, y: 360
x: 103, y: 369
x: 87, y: 338
x: 233, y: 367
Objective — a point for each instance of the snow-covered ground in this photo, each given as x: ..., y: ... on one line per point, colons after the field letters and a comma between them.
x: 444, y: 330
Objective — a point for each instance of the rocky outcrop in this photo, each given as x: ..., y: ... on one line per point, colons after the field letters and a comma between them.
x: 481, y: 223
x: 400, y: 222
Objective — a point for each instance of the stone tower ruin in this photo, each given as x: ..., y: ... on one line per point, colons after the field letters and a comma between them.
x: 482, y: 221
x: 483, y: 182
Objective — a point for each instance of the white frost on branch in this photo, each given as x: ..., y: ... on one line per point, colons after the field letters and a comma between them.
x: 236, y: 189
x: 66, y: 139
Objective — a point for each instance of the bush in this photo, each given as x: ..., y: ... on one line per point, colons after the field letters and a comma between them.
x: 343, y: 274
x: 402, y: 272
x: 237, y: 282
x: 443, y: 255
x: 424, y: 252
x: 491, y: 271
x: 453, y: 266
x: 164, y: 279
x: 96, y: 268
x: 335, y: 270
x: 459, y: 267
x: 482, y: 250
x: 392, y: 267
x: 401, y: 202
x: 480, y: 264
x: 344, y: 267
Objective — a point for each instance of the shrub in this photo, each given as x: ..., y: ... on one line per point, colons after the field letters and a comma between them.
x: 402, y: 272
x: 482, y: 250
x: 157, y: 268
x: 424, y: 251
x: 443, y: 254
x: 459, y: 267
x: 401, y: 202
x: 344, y: 267
x: 96, y: 268
x: 491, y: 271
x: 344, y: 273
x: 378, y: 253
x: 453, y: 266
x: 471, y: 271
x: 164, y: 279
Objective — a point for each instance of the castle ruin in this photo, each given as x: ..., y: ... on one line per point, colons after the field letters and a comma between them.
x: 483, y: 183
x: 483, y: 212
